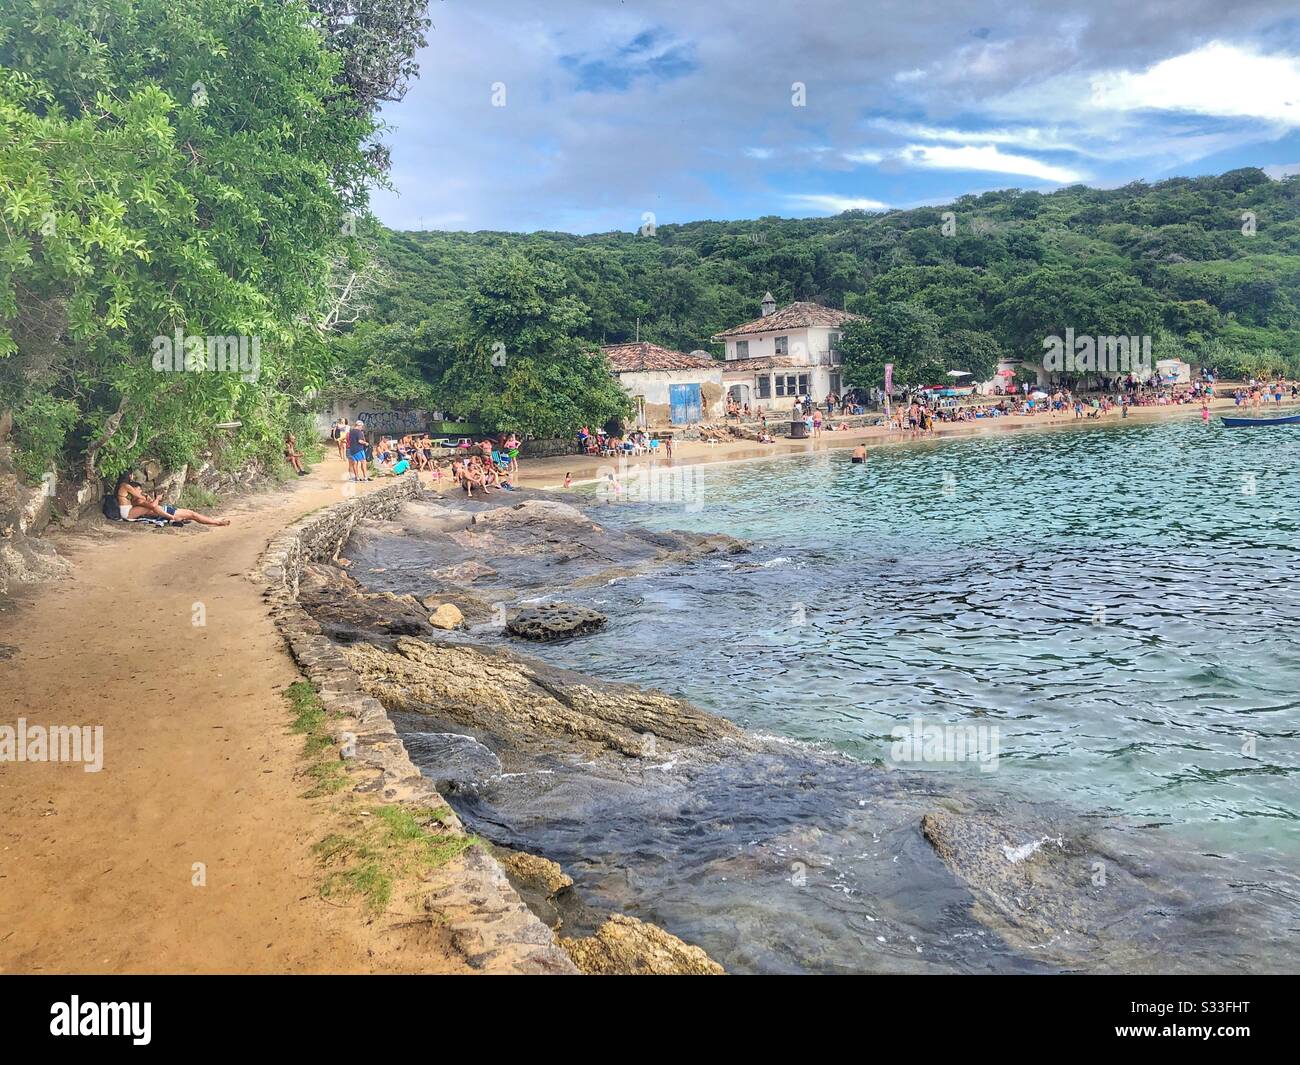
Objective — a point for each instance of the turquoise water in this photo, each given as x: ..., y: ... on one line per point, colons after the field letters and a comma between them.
x: 1119, y: 602
x: 1112, y: 606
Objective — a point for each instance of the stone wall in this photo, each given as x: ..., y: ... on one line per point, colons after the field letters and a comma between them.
x: 545, y: 449
x: 489, y: 923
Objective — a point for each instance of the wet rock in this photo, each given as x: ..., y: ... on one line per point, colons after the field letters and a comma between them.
x: 538, y: 880
x: 555, y: 621
x: 347, y: 614
x: 495, y: 692
x: 447, y: 616
x: 625, y: 946
x: 451, y: 759
x: 1034, y: 882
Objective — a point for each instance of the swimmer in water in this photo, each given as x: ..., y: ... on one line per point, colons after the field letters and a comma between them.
x: 860, y: 454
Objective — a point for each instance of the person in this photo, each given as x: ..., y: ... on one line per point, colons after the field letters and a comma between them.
x: 357, y: 444
x: 132, y: 503
x: 340, y: 435
x: 292, y: 453
x: 860, y: 454
x: 568, y: 480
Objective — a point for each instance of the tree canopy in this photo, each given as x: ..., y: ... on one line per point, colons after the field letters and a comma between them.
x: 1170, y: 259
x: 172, y: 167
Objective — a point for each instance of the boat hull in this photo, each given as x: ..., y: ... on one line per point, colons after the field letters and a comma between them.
x: 1238, y: 423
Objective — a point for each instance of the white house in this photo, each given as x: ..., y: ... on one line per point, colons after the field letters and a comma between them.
x: 784, y: 354
x: 668, y: 387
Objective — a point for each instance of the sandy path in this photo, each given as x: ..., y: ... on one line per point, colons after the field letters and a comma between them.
x: 96, y: 868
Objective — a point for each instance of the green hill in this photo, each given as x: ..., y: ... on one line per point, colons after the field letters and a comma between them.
x: 1209, y: 265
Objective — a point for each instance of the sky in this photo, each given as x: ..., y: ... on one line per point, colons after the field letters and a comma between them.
x: 601, y: 116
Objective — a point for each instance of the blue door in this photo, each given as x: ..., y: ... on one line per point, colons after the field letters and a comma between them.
x: 684, y: 401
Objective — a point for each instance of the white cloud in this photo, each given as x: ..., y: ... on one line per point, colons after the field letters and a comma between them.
x: 1282, y: 170
x: 1023, y: 137
x: 985, y: 158
x: 1219, y: 79
x: 835, y: 204
x: 759, y: 153
x: 988, y: 159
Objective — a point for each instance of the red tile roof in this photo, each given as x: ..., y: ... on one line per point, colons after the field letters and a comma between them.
x: 761, y: 362
x: 797, y: 315
x: 630, y: 358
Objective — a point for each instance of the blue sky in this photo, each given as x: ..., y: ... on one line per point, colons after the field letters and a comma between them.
x: 589, y: 117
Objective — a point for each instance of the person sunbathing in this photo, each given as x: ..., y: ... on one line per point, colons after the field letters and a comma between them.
x: 132, y: 503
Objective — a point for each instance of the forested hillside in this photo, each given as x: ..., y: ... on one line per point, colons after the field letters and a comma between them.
x: 1210, y: 266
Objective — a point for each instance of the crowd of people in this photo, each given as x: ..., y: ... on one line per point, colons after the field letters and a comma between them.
x: 488, y: 465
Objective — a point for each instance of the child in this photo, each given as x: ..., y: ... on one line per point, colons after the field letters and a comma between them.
x: 568, y: 480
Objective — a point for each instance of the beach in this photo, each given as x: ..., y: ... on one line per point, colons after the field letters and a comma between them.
x: 550, y: 472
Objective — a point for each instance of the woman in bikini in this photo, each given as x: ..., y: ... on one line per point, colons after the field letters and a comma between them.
x: 132, y: 503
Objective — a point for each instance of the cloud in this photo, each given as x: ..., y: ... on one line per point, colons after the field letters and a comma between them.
x: 1030, y: 137
x: 1282, y: 170
x: 988, y: 159
x: 831, y: 204
x: 686, y: 111
x: 1220, y: 79
x: 984, y: 158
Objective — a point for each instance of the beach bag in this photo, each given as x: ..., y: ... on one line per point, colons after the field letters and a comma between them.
x: 110, y: 508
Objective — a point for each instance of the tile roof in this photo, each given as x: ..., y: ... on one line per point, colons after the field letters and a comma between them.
x: 797, y: 315
x: 629, y: 358
x: 761, y: 362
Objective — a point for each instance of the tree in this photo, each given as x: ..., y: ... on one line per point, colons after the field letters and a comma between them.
x: 901, y: 333
x: 167, y: 167
x: 971, y: 350
x: 520, y: 364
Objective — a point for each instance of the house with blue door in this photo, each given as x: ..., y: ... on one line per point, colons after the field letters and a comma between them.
x: 668, y: 387
x: 783, y: 354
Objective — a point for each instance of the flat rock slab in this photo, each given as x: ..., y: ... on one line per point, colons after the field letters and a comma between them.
x: 555, y: 621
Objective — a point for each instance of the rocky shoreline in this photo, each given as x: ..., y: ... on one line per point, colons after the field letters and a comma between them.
x: 433, y: 679
x: 490, y: 898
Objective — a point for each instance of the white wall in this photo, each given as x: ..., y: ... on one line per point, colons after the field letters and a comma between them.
x: 803, y: 343
x: 654, y: 387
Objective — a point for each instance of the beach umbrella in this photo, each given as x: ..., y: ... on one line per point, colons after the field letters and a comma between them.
x: 1038, y: 394
x: 958, y: 373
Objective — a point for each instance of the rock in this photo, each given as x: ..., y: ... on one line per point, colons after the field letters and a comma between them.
x: 537, y: 880
x: 447, y: 617
x: 450, y: 759
x: 624, y: 946
x: 463, y: 572
x: 501, y: 694
x: 555, y: 621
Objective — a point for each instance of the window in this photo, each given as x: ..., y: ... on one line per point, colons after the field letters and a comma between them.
x: 789, y: 384
x: 742, y: 349
x: 763, y: 386
x: 835, y: 383
x: 783, y: 345
x: 834, y: 342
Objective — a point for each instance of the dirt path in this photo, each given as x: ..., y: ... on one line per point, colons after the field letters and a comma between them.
x: 96, y: 869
